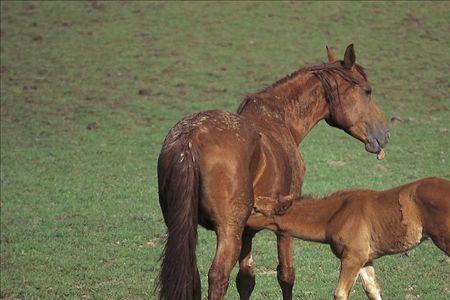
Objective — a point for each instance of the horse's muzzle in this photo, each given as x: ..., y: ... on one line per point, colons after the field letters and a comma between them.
x: 378, y: 140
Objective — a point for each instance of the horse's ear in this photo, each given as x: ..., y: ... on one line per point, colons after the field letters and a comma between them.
x: 331, y: 57
x: 349, y: 57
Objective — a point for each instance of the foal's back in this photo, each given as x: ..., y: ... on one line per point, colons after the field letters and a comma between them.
x: 433, y: 198
x: 434, y: 194
x: 396, y: 220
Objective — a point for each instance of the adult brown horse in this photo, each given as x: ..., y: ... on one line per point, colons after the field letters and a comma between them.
x: 213, y: 163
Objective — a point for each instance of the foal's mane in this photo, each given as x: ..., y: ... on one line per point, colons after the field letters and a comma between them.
x: 333, y: 195
x: 324, y: 72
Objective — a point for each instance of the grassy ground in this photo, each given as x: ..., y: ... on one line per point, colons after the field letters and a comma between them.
x: 89, y: 90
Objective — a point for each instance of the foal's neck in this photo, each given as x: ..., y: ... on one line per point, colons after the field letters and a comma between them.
x: 296, y: 102
x: 307, y: 219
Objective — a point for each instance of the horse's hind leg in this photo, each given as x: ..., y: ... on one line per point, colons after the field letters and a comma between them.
x: 230, y: 220
x: 245, y: 280
x: 227, y: 254
x: 369, y: 282
x: 285, y: 269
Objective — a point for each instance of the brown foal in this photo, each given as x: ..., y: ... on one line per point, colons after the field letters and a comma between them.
x: 362, y: 225
x: 214, y: 163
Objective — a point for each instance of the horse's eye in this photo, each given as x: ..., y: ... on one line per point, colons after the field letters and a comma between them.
x: 368, y: 91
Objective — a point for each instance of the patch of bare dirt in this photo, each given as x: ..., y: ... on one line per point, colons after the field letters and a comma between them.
x: 67, y: 24
x: 144, y: 92
x: 37, y: 38
x: 30, y: 88
x: 92, y: 126
x: 411, y: 19
x: 146, y: 37
x: 97, y: 5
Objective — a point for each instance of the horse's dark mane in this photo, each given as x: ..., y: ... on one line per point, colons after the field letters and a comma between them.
x: 330, y: 68
x: 325, y: 72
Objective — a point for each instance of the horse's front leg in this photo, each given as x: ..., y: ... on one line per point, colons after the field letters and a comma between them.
x: 285, y: 269
x: 245, y: 279
x: 351, y: 264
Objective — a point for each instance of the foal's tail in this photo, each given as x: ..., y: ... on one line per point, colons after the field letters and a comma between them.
x: 178, y: 183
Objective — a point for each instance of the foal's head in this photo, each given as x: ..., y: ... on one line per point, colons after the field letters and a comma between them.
x: 269, y: 206
x: 351, y: 104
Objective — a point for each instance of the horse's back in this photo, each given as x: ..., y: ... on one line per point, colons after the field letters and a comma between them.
x: 222, y: 138
x: 215, y: 125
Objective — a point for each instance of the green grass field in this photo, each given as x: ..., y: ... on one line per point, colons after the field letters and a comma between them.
x: 90, y: 89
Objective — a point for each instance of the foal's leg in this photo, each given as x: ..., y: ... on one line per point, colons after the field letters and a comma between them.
x: 285, y: 269
x: 369, y: 282
x: 440, y: 234
x: 245, y: 280
x: 350, y: 266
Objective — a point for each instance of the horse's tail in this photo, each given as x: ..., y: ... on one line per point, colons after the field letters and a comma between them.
x: 178, y: 183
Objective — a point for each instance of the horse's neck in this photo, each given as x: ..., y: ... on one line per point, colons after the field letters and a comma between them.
x: 297, y: 104
x: 307, y: 219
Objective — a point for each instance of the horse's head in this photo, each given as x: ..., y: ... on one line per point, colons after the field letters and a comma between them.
x: 351, y: 104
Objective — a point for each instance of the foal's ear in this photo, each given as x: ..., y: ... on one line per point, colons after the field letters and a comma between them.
x: 349, y: 57
x: 331, y: 57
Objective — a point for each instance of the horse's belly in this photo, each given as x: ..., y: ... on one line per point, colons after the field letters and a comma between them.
x: 411, y: 239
